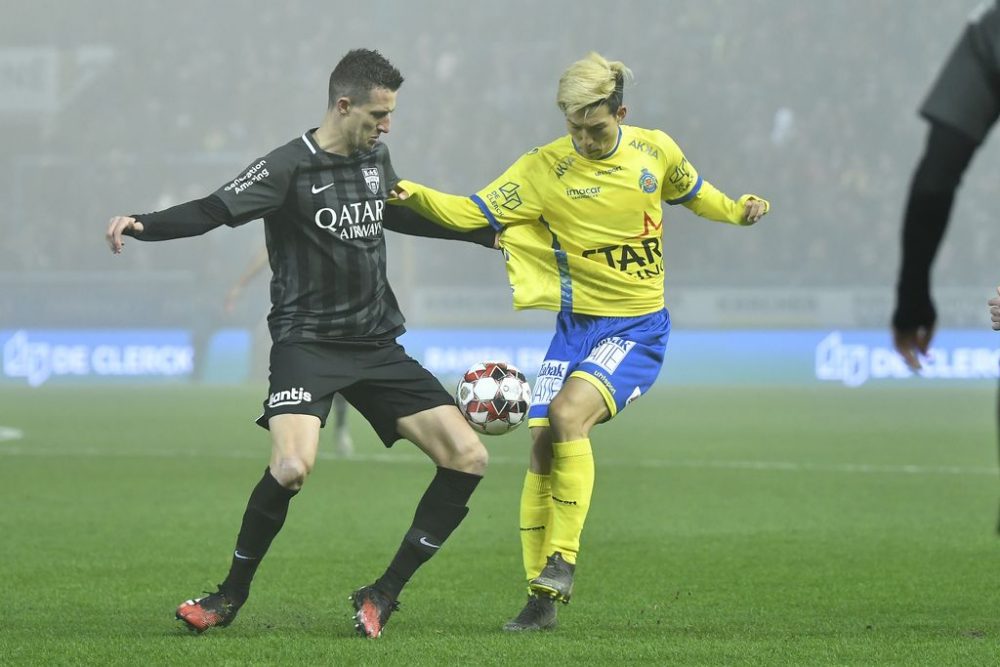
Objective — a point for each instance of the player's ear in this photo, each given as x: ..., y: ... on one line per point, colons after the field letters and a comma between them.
x: 343, y: 105
x: 621, y: 113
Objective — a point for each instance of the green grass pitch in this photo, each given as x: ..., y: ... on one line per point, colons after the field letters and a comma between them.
x: 757, y: 526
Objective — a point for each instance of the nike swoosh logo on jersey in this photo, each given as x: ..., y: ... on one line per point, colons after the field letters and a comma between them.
x: 423, y: 541
x: 317, y: 190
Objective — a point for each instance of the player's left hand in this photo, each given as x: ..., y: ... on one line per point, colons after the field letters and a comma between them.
x: 994, y: 305
x: 398, y: 193
x: 755, y: 209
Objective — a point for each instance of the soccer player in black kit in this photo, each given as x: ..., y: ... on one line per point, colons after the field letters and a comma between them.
x: 334, y: 322
x: 962, y: 107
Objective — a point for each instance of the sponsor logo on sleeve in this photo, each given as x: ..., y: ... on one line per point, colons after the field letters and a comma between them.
x: 254, y: 174
x: 511, y: 199
x: 681, y: 177
x: 505, y: 196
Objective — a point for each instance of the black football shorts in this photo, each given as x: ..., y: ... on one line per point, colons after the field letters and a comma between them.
x: 378, y: 378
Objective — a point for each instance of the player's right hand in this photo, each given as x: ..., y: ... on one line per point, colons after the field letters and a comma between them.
x: 913, y: 344
x: 118, y: 226
x: 994, y: 305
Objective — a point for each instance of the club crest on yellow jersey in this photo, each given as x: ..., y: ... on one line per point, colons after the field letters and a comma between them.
x: 648, y: 182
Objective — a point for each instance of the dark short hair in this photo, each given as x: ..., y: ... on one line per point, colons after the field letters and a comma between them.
x: 359, y: 72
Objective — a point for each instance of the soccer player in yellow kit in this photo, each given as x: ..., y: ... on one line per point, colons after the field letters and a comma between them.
x: 581, y: 232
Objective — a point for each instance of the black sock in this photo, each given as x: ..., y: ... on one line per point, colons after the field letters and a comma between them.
x: 264, y: 516
x: 440, y: 510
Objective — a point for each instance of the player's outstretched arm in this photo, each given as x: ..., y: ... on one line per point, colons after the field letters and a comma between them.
x: 184, y: 220
x: 407, y: 221
x: 712, y: 204
x: 445, y: 209
x: 511, y: 198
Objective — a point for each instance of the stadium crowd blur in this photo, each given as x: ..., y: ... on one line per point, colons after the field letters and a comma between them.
x: 811, y: 104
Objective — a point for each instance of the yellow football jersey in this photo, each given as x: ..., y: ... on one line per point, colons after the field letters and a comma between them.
x: 584, y: 235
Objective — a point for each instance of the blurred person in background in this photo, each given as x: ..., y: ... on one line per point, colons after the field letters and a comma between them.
x: 961, y: 108
x: 581, y: 231
x: 343, y: 444
x: 334, y: 324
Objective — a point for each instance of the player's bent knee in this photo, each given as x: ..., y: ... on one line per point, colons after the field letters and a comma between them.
x: 290, y: 472
x: 565, y: 417
x: 469, y: 456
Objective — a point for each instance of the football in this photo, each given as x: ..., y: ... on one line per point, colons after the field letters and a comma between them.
x: 494, y: 397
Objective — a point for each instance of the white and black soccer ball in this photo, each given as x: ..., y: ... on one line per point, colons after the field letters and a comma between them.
x: 494, y: 397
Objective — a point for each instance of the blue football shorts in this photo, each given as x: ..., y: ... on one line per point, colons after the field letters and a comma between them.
x: 620, y: 356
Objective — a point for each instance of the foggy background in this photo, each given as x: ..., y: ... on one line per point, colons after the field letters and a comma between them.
x: 116, y: 107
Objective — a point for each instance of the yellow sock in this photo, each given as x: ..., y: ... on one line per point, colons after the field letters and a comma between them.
x: 536, y: 517
x: 572, y: 485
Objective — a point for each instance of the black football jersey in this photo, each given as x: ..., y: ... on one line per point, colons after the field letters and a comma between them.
x: 323, y: 221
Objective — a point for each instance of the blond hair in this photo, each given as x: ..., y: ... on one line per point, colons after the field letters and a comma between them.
x: 591, y: 81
